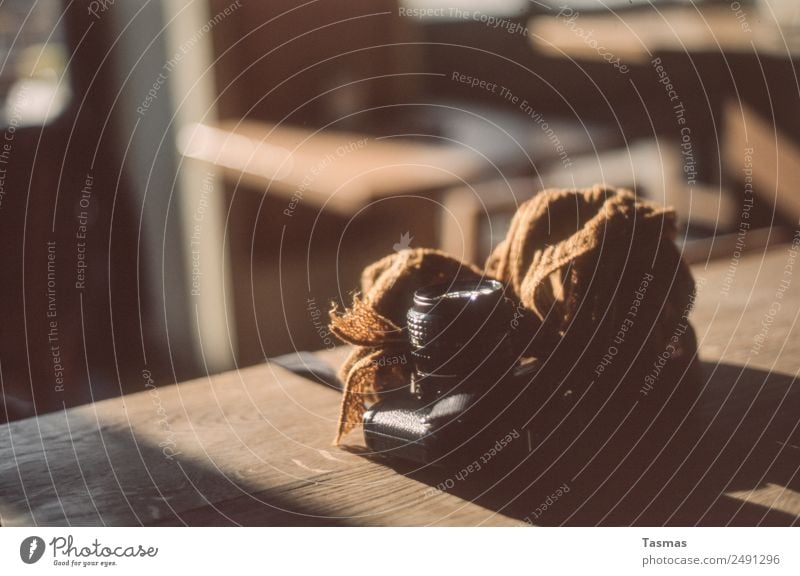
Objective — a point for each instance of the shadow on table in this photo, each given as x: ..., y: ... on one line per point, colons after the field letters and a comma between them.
x: 730, y: 458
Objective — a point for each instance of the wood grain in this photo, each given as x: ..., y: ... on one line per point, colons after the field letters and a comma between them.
x: 259, y: 438
x: 253, y: 446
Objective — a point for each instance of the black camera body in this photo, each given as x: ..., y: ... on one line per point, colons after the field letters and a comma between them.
x: 466, y: 390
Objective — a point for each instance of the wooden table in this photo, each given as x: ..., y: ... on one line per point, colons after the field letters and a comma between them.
x: 339, y: 171
x: 254, y: 446
x: 635, y: 36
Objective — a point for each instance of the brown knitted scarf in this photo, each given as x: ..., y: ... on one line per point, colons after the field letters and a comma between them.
x: 578, y: 261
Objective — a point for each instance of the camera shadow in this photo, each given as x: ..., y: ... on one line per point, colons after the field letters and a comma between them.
x: 724, y: 450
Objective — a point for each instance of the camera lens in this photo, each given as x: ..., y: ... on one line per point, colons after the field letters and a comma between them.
x: 459, y: 335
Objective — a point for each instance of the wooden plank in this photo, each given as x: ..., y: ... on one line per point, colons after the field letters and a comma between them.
x: 340, y: 171
x: 253, y: 446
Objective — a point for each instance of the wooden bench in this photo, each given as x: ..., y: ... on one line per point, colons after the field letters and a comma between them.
x: 253, y: 446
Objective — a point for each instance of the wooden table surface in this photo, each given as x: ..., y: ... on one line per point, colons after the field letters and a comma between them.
x: 254, y: 446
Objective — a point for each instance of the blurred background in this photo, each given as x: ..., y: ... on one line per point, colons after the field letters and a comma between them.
x: 186, y: 186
